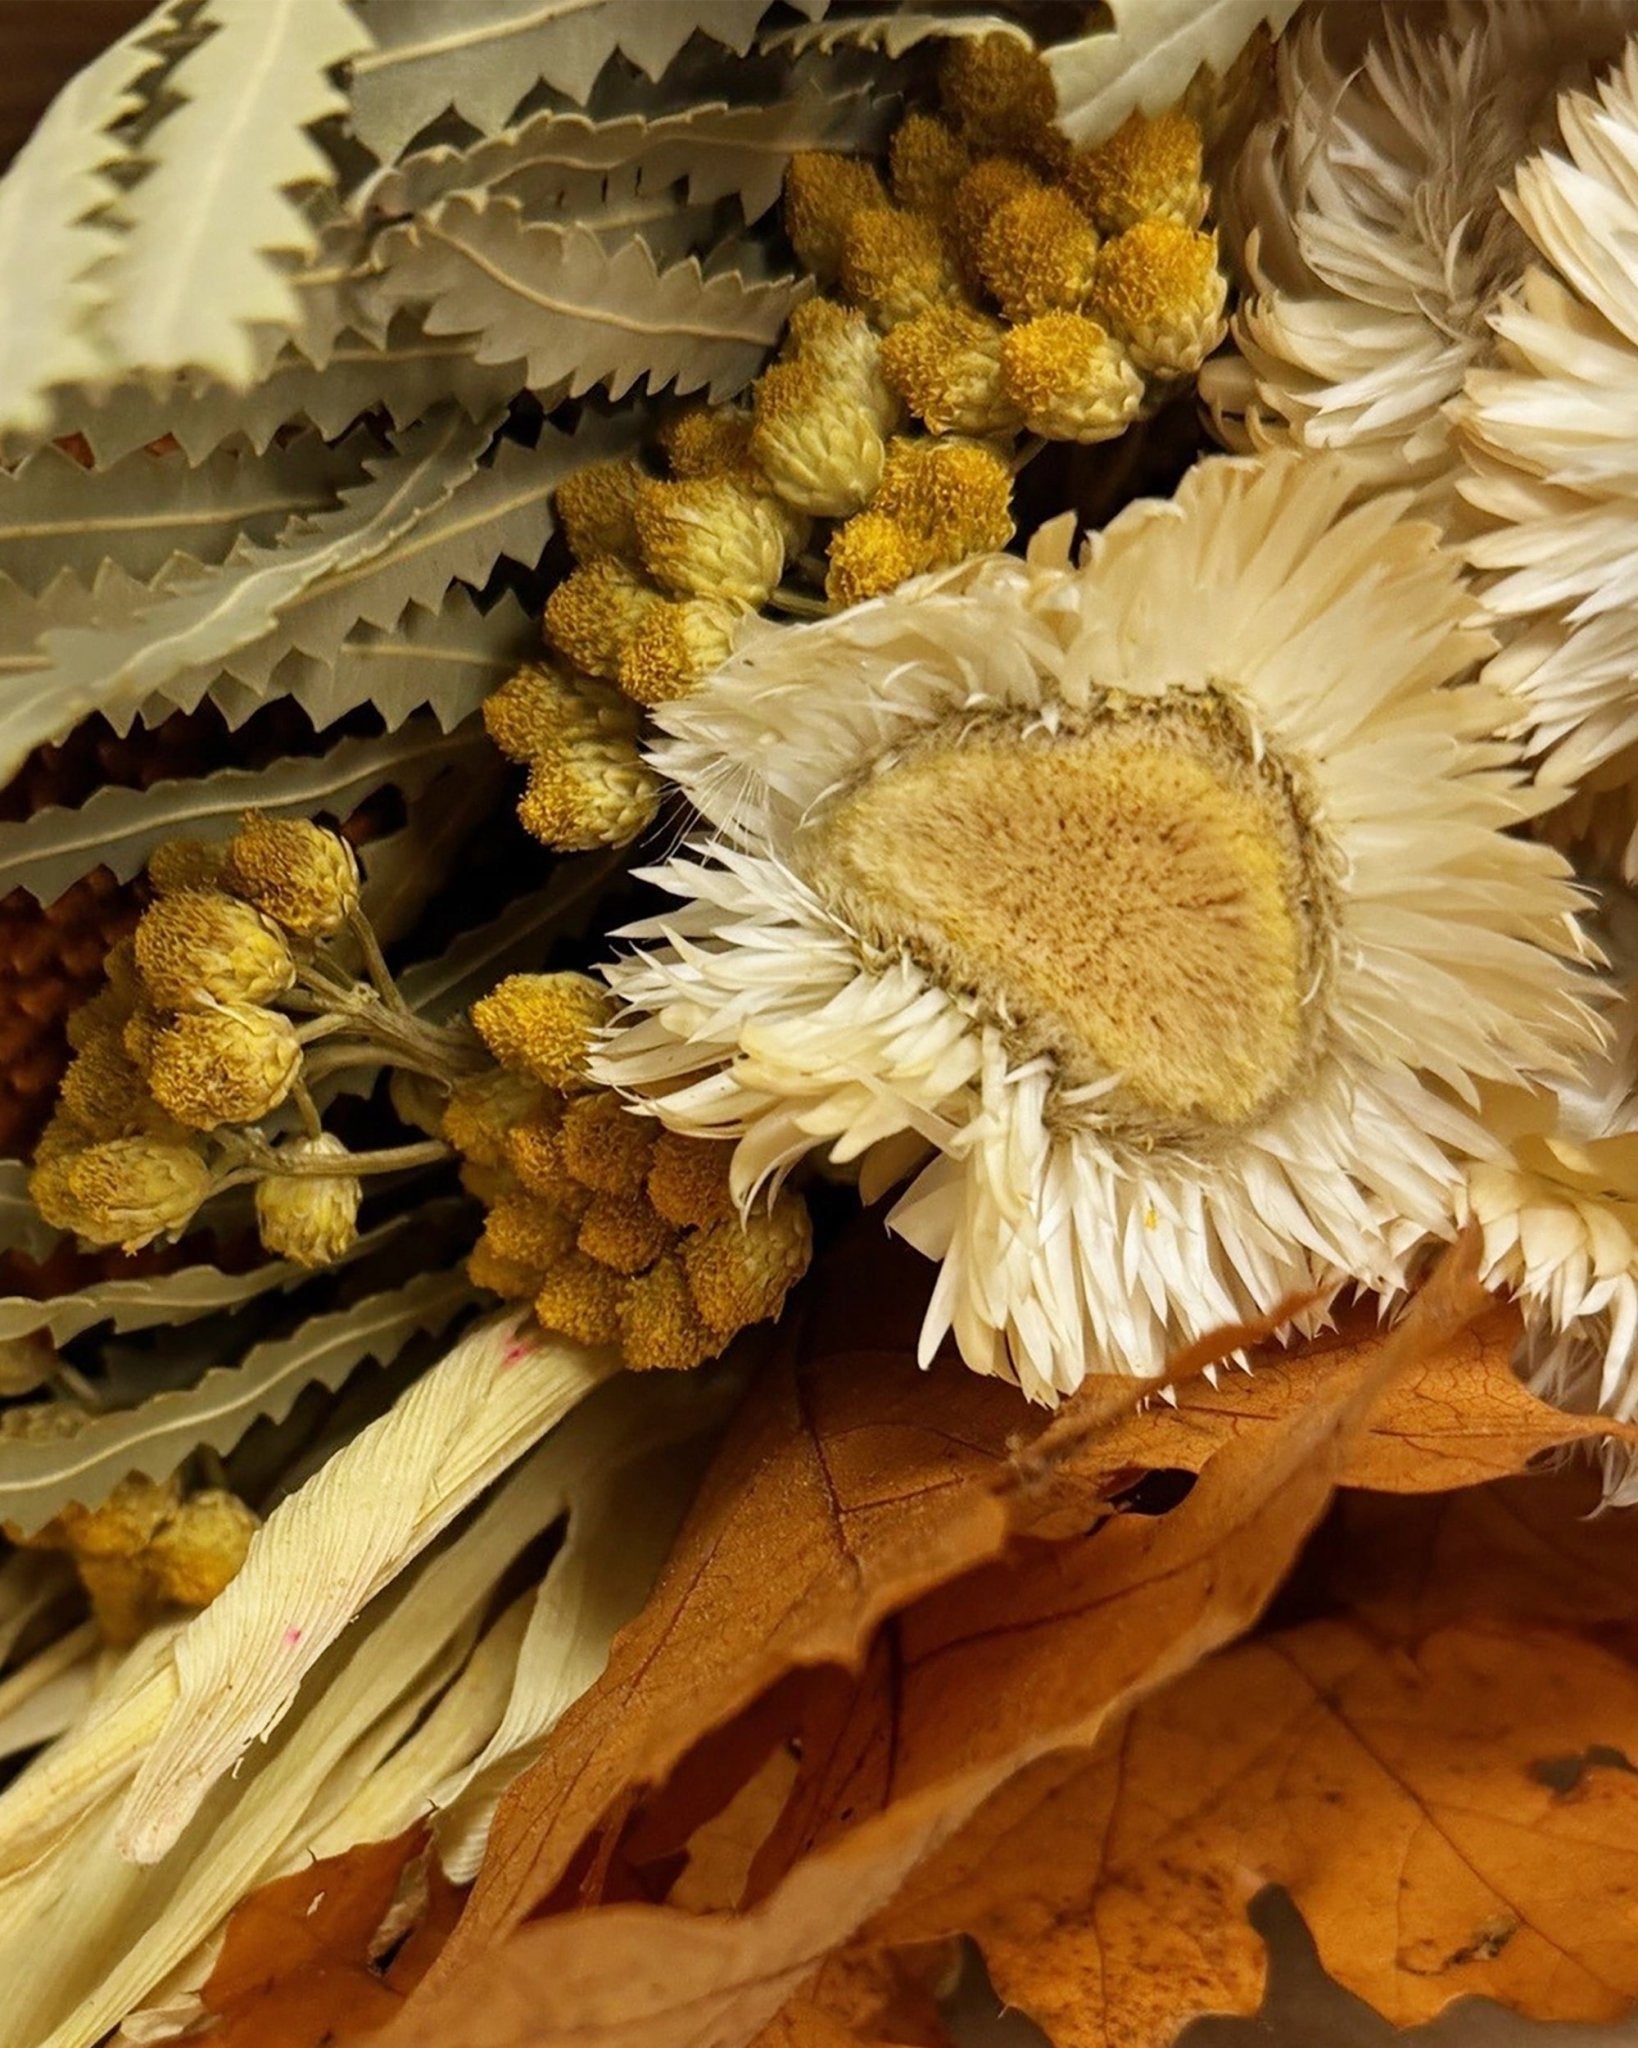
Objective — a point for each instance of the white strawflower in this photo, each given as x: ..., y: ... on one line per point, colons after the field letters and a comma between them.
x: 1162, y: 910
x: 1550, y: 437
x: 1366, y: 215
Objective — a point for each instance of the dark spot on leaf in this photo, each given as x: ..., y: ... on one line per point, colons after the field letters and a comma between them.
x: 1156, y: 1493
x: 1563, y: 1775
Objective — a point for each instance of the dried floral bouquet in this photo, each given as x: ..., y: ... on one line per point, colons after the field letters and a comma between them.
x: 817, y: 1059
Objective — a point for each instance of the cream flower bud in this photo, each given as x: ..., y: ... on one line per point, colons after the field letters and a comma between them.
x: 126, y: 1191
x: 308, y: 1218
x: 186, y: 864
x: 1158, y: 286
x: 946, y: 366
x: 740, y: 1273
x: 543, y: 1024
x: 303, y: 877
x: 593, y: 613
x: 822, y: 193
x: 709, y: 537
x: 816, y: 447
x: 591, y: 793
x: 104, y: 1096
x: 708, y: 440
x: 201, y: 946
x: 227, y: 1065
x: 1070, y: 378
x: 594, y: 508
x: 1149, y: 169
x: 535, y: 711
x: 1038, y: 254
x: 894, y: 265
x: 677, y: 646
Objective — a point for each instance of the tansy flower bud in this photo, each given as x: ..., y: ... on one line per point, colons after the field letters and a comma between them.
x: 958, y: 494
x: 535, y: 711
x: 822, y: 194
x: 946, y: 366
x: 123, y: 1525
x: 102, y: 1017
x: 660, y: 1328
x: 988, y: 186
x: 594, y: 508
x: 124, y: 1191
x: 1037, y: 255
x: 200, y: 1549
x: 844, y: 345
x: 688, y: 1179
x: 819, y: 451
x: 710, y: 537
x: 528, y: 1231
x: 999, y: 93
x: 535, y: 1155
x: 1159, y: 288
x: 120, y: 970
x: 594, y: 611
x: 228, y: 1065
x: 308, y: 1218
x: 508, y: 1278
x: 625, y: 1232
x: 708, y: 440
x: 597, y: 793
x: 894, y: 265
x: 482, y: 1111
x: 201, y: 946
x: 871, y: 554
x: 542, y: 1025
x: 103, y: 1093
x: 677, y: 646
x: 581, y: 1299
x: 604, y: 1145
x: 303, y: 877
x: 740, y: 1273
x: 186, y: 864
x: 1070, y: 378
x: 137, y: 1035
x: 926, y: 162
x: 1149, y: 169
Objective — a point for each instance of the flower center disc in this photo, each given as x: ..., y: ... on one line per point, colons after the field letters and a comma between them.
x: 1131, y: 897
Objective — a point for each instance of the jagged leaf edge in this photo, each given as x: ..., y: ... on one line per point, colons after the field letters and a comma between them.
x: 1145, y: 62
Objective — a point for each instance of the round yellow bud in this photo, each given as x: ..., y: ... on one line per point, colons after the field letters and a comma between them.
x: 894, y: 265
x: 534, y: 711
x: 999, y: 93
x: 303, y: 877
x: 677, y: 646
x: 708, y: 440
x: 593, y: 612
x: 711, y: 537
x: 1158, y: 286
x: 987, y: 187
x: 625, y: 1232
x: 308, y: 1218
x: 186, y: 864
x: 956, y: 494
x: 688, y: 1179
x: 871, y: 554
x: 599, y: 793
x: 125, y: 1191
x: 946, y: 366
x: 200, y: 1549
x: 660, y: 1327
x: 822, y: 194
x: 481, y: 1113
x: 1070, y: 378
x: 528, y: 1231
x: 594, y: 508
x: 740, y: 1273
x: 1038, y: 254
x: 604, y: 1145
x: 580, y: 1299
x: 227, y: 1065
x: 201, y: 946
x: 927, y: 160
x: 817, y: 447
x: 103, y: 1093
x: 1149, y: 169
x: 543, y: 1025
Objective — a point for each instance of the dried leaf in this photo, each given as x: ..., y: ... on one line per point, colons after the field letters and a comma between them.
x: 1450, y: 1806
x: 56, y: 514
x: 481, y: 57
x: 118, y: 828
x: 1147, y: 58
x: 202, y: 261
x: 22, y: 1227
x: 39, y: 1478
x: 576, y: 313
x: 893, y: 34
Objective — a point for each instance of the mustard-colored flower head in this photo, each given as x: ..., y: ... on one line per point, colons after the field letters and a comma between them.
x: 624, y: 1232
x: 1037, y: 254
x: 199, y: 1551
x: 711, y: 537
x: 823, y: 192
x: 1070, y: 378
x: 542, y: 1025
x: 102, y: 1017
x: 232, y: 1064
x: 678, y: 645
x: 186, y: 864
x: 303, y: 877
x: 946, y: 366
x: 660, y: 1327
x: 203, y: 946
x: 528, y: 1231
x: 137, y: 1035
x: 604, y: 1145
x: 1149, y: 169
x: 1159, y: 288
x: 688, y: 1180
x: 815, y: 444
x: 581, y: 1299
x: 594, y: 508
x: 122, y: 1191
x: 841, y: 342
x: 927, y: 160
x: 599, y: 793
x: 536, y: 710
x: 871, y: 554
x: 120, y: 971
x: 123, y: 1525
x: 594, y: 611
x: 535, y: 1158
x: 482, y: 1111
x: 708, y: 440
x: 894, y: 265
x: 103, y: 1093
x: 999, y: 93
x: 309, y: 1218
x: 508, y: 1278
x: 739, y: 1273
x: 957, y: 494
x: 992, y: 182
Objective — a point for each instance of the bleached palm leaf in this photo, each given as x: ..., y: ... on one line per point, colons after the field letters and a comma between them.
x: 39, y: 1478
x: 56, y: 514
x: 1144, y: 62
x: 481, y: 57
x: 576, y: 313
x: 118, y: 828
x: 213, y: 226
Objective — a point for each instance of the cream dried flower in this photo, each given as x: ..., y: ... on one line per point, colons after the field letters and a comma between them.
x: 122, y: 1191
x: 1158, y: 287
x: 310, y: 1218
x: 816, y: 445
x: 946, y: 366
x: 304, y: 878
x: 710, y: 537
x: 592, y: 614
x: 677, y: 645
x: 197, y: 946
x: 1160, y: 913
x: 229, y: 1064
x: 1070, y: 378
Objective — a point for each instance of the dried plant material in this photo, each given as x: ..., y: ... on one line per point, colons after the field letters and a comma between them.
x: 575, y: 312
x: 1449, y: 1805
x: 1146, y: 60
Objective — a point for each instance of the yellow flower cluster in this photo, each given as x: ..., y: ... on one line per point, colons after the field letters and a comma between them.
x: 578, y: 739
x: 620, y: 1233
x: 149, y: 1547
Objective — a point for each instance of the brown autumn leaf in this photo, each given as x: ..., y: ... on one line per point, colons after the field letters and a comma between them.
x: 976, y: 1680
x: 295, y: 1968
x: 1440, y: 1779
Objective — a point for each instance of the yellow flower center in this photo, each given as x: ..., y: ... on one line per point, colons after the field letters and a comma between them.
x: 1133, y: 895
